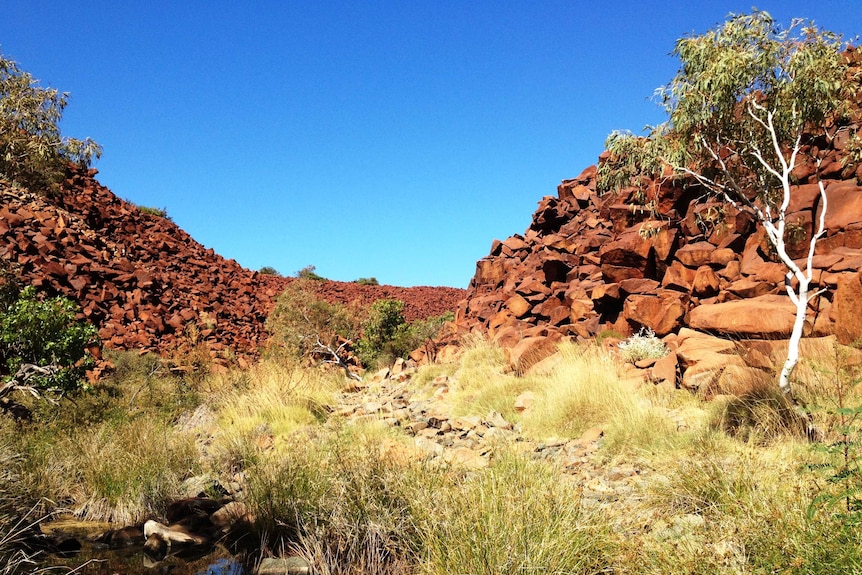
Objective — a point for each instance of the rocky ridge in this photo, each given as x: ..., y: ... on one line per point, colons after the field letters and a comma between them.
x: 660, y: 256
x: 143, y: 281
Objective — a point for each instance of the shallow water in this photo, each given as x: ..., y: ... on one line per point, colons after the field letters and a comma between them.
x: 99, y: 559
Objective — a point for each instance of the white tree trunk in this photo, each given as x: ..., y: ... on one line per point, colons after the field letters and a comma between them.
x: 775, y: 227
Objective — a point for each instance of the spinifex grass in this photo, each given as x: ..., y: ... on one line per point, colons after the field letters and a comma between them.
x: 336, y: 497
x: 516, y: 517
x: 121, y: 473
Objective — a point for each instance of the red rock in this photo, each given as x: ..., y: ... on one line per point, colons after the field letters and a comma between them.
x: 663, y: 313
x: 722, y: 256
x: 705, y: 283
x: 532, y: 350
x: 518, y: 305
x: 665, y: 369
x: 678, y: 277
x: 639, y: 286
x: 766, y: 316
x: 844, y: 206
x: 580, y: 309
x: 696, y: 254
x: 746, y: 288
x: 847, y: 309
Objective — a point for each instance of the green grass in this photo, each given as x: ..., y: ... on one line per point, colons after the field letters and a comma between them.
x: 709, y: 497
x: 514, y: 517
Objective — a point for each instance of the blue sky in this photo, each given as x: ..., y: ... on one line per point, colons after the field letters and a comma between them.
x: 394, y: 139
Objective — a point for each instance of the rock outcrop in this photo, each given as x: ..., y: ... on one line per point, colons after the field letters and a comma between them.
x: 665, y: 257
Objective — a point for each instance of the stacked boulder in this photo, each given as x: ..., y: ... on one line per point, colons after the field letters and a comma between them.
x: 664, y: 256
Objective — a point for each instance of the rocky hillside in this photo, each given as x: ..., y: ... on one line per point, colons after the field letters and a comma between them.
x: 143, y: 281
x: 663, y: 257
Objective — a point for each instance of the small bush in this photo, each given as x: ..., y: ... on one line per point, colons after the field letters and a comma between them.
x: 45, y: 333
x: 158, y: 212
x: 642, y: 345
x: 385, y: 319
x: 387, y: 336
x: 309, y: 273
x: 372, y: 281
x: 268, y: 271
x: 300, y: 322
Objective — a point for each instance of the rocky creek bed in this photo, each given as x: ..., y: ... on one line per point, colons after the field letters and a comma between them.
x: 191, y: 539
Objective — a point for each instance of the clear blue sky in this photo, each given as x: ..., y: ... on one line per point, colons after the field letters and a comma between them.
x: 393, y: 139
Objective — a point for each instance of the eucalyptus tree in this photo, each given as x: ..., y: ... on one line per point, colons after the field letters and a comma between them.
x: 33, y: 152
x: 748, y: 98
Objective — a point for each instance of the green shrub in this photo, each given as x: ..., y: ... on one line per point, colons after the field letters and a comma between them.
x: 386, y: 335
x: 385, y: 319
x: 372, y: 281
x: 308, y: 273
x: 158, y: 212
x: 33, y: 153
x: 44, y: 334
x: 301, y: 323
x: 268, y: 271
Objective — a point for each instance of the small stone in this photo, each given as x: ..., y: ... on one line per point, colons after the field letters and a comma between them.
x: 622, y: 472
x: 416, y: 426
x: 465, y: 423
x: 372, y: 407
x: 429, y: 446
x: 496, y: 419
x: 524, y: 401
x: 229, y: 514
x: 155, y: 547
x: 465, y: 457
x: 591, y: 435
x: 283, y: 566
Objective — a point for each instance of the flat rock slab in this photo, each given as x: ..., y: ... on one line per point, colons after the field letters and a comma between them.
x: 768, y: 316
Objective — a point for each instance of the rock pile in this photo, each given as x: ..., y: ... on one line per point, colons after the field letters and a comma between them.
x: 143, y: 281
x: 661, y: 256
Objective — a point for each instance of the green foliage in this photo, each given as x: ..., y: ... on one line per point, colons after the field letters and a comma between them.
x: 268, y: 271
x: 385, y: 320
x: 839, y: 464
x: 308, y: 273
x: 631, y: 158
x: 158, y: 212
x: 372, y: 281
x: 736, y: 86
x: 386, y: 335
x: 301, y: 321
x: 33, y: 153
x: 45, y: 333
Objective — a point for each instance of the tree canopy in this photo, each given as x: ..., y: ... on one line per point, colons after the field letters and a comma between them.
x: 748, y: 99
x: 33, y: 152
x: 739, y: 106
